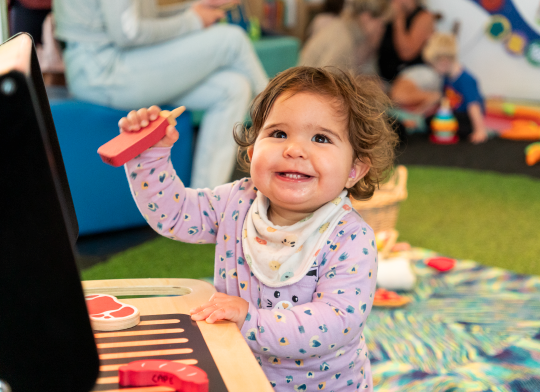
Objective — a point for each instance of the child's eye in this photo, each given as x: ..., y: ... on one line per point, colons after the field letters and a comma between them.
x: 279, y: 135
x: 320, y: 139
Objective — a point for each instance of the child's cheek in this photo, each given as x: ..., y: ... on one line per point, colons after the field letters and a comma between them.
x: 261, y: 167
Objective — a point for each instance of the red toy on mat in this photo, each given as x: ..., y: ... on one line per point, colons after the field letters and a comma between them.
x: 183, y: 378
x: 441, y: 263
x: 389, y: 299
x: 128, y: 145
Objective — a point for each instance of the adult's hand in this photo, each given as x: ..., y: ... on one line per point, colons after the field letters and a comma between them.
x: 208, y: 15
x: 220, y: 3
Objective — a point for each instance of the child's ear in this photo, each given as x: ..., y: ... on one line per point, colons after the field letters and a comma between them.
x: 250, y: 152
x: 358, y: 171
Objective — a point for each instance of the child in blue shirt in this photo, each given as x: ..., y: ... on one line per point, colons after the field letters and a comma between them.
x: 460, y: 87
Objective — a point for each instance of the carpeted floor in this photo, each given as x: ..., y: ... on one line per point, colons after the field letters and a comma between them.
x: 497, y: 155
x: 98, y: 248
x: 474, y: 328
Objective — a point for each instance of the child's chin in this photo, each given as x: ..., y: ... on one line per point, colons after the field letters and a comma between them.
x: 296, y: 200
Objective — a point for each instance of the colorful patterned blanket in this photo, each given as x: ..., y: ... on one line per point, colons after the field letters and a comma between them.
x: 473, y: 328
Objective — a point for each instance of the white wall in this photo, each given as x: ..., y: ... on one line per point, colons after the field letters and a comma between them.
x: 498, y: 72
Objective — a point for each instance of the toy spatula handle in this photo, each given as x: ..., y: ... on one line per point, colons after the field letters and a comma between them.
x: 128, y: 145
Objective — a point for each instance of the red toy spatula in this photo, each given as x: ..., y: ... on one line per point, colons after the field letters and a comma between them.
x: 128, y: 145
x: 183, y: 378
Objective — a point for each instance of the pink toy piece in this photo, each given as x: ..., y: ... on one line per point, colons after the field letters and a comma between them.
x: 183, y: 378
x: 109, y: 314
x: 128, y: 145
x: 441, y: 263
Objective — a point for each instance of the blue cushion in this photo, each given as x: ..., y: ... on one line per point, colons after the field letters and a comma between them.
x: 100, y: 192
x: 277, y: 53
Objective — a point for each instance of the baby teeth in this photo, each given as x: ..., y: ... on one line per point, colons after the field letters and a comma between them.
x: 294, y: 176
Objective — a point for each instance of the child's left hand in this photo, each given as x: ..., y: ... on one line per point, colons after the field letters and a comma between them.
x: 222, y: 307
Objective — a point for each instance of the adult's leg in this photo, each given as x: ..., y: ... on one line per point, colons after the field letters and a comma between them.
x: 225, y: 97
x: 158, y: 74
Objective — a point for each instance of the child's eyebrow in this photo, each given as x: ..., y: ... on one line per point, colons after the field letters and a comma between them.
x: 330, y: 132
x: 273, y: 125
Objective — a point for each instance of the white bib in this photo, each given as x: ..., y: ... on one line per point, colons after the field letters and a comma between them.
x: 282, y: 255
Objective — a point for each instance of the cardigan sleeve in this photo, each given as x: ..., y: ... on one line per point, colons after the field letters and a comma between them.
x: 171, y: 209
x: 127, y: 27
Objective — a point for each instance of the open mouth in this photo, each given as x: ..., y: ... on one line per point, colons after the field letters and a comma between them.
x: 293, y: 175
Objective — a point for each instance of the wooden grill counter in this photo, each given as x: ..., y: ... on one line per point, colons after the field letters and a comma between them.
x: 167, y: 332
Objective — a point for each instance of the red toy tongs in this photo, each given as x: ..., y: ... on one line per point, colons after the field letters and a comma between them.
x: 128, y: 145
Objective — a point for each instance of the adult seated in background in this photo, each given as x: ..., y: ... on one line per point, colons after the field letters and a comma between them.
x: 417, y: 89
x: 350, y: 42
x: 330, y: 12
x: 124, y: 54
x: 415, y: 93
x: 404, y: 38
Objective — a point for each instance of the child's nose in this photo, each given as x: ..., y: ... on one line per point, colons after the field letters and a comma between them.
x: 295, y: 149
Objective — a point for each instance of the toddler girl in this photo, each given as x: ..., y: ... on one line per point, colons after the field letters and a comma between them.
x: 295, y: 265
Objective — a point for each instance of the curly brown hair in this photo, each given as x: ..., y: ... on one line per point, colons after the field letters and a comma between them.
x: 360, y: 98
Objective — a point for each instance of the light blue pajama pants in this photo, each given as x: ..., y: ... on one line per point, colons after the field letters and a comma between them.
x: 215, y: 69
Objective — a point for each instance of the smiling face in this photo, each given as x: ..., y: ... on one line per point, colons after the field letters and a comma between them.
x: 302, y: 157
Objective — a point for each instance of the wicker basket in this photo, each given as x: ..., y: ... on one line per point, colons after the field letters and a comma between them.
x: 381, y: 211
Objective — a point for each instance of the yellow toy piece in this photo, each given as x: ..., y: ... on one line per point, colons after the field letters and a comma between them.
x: 532, y: 154
x: 438, y: 125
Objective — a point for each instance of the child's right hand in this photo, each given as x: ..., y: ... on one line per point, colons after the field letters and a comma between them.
x: 137, y: 119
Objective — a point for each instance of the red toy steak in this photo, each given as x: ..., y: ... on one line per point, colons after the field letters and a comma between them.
x: 109, y: 314
x: 128, y: 145
x: 441, y: 263
x: 183, y: 378
x: 389, y: 299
